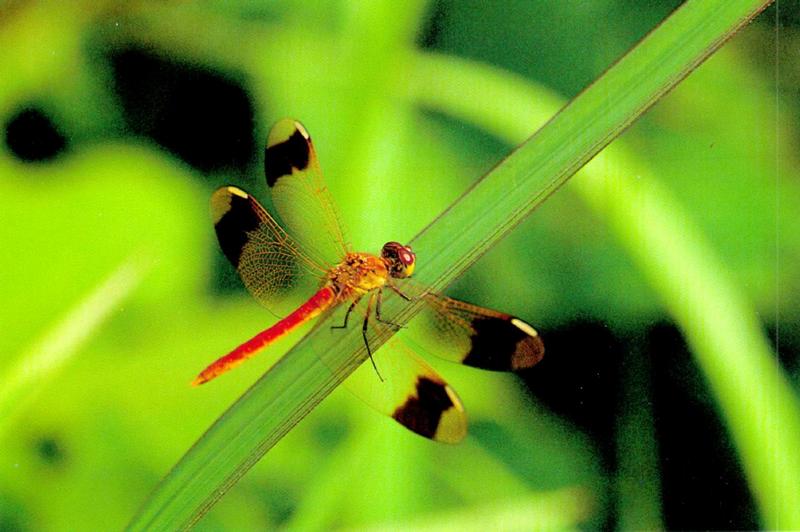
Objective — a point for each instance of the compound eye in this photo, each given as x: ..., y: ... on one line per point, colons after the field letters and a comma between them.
x: 400, y: 257
x: 406, y: 256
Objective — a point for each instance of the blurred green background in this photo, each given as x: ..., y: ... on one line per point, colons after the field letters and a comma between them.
x: 119, y: 119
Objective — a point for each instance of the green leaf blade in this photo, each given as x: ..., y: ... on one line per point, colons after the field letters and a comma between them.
x: 756, y: 400
x: 490, y: 209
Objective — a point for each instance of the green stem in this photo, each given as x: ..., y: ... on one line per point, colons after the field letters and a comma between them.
x: 755, y: 398
x: 38, y: 365
x: 316, y: 365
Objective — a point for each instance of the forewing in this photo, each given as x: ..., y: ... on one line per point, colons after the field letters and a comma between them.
x: 268, y: 260
x: 475, y: 336
x: 411, y: 392
x: 299, y: 193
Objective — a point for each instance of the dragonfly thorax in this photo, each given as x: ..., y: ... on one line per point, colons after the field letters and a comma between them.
x: 358, y: 273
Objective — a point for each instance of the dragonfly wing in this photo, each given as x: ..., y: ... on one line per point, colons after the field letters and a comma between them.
x: 475, y: 336
x: 299, y: 193
x: 411, y: 392
x: 268, y: 260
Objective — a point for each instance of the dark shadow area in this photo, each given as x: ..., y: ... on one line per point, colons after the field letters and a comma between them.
x: 199, y: 115
x: 703, y: 485
x: 32, y: 136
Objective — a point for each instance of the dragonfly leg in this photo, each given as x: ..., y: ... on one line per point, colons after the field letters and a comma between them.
x: 364, y: 334
x: 400, y: 293
x: 347, y: 316
x: 378, y: 313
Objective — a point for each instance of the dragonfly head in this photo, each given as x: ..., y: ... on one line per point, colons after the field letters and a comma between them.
x: 399, y: 259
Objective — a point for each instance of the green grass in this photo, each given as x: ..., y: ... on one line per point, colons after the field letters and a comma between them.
x: 533, y: 172
x: 722, y: 328
x: 688, y: 219
x: 39, y: 365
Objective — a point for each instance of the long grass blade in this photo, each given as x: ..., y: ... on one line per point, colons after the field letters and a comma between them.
x: 41, y: 361
x: 490, y: 209
x: 755, y: 397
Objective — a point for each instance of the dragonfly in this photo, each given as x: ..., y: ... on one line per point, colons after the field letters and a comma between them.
x: 271, y: 260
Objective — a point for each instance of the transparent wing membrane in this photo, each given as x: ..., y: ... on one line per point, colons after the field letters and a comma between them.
x: 411, y: 392
x: 475, y: 336
x: 299, y: 193
x: 268, y: 260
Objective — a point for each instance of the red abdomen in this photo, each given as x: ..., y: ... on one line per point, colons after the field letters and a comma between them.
x: 312, y: 308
